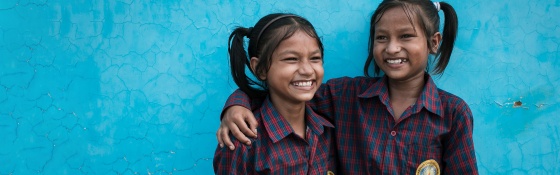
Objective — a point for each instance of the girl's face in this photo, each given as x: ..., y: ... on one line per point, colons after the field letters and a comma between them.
x: 400, y: 50
x: 296, y: 69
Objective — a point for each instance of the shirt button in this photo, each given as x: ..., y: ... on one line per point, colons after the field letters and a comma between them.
x: 393, y: 133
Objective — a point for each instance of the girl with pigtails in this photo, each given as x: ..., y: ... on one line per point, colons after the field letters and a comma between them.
x: 399, y: 122
x: 285, y: 55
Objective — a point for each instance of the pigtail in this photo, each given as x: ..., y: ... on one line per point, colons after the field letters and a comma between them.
x: 238, y: 59
x: 449, y: 34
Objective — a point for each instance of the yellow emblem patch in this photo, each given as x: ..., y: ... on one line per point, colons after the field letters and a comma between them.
x: 330, y: 173
x: 428, y: 167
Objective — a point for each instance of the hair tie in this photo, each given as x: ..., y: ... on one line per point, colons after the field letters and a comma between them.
x: 267, y: 24
x: 249, y: 30
x: 437, y: 6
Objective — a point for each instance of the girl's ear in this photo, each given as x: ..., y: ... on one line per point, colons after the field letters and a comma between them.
x: 435, y: 40
x: 254, y: 63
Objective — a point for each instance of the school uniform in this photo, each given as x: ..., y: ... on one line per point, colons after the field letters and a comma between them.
x: 278, y: 150
x: 434, y: 134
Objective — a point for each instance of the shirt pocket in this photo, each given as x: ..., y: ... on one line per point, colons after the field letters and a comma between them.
x: 417, y: 154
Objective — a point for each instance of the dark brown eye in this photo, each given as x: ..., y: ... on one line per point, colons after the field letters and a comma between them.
x: 316, y: 58
x: 407, y: 36
x: 290, y: 59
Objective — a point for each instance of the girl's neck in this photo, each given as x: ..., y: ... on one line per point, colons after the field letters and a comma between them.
x: 410, y: 88
x: 404, y: 93
x: 293, y: 112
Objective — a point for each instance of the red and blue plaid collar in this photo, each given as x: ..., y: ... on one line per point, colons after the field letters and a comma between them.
x: 429, y: 98
x: 278, y: 128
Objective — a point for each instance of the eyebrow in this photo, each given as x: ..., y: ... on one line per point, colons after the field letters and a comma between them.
x: 403, y: 29
x: 296, y: 53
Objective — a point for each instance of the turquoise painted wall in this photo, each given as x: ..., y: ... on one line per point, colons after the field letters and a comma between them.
x: 136, y: 87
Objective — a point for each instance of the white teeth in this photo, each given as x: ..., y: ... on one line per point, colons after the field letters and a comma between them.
x: 303, y: 83
x: 397, y: 61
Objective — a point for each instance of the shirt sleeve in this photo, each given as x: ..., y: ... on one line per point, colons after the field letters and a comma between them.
x: 323, y: 103
x: 240, y: 98
x: 228, y: 162
x: 459, y: 155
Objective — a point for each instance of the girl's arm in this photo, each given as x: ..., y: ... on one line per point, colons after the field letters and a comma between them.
x: 324, y: 101
x: 236, y: 112
x: 235, y: 117
x: 459, y: 155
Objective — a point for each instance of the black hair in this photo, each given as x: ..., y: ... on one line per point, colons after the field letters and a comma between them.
x: 428, y: 18
x: 264, y: 38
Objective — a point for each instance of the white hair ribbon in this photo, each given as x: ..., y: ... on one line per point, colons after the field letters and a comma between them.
x: 437, y: 6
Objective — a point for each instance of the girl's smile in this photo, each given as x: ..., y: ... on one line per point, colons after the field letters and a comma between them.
x: 296, y: 70
x: 400, y: 47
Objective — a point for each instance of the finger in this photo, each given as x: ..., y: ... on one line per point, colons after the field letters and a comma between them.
x: 218, y: 136
x: 239, y: 135
x: 225, y: 138
x: 253, y: 124
x: 244, y: 128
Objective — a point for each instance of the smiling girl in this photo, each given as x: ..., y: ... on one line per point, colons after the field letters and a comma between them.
x: 286, y: 56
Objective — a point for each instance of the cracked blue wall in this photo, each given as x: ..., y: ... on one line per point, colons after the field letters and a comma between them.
x: 136, y: 87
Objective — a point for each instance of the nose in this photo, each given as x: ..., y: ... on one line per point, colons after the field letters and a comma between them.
x: 305, y: 68
x: 393, y: 47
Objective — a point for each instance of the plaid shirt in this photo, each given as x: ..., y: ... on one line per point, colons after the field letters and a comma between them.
x: 278, y: 150
x: 369, y: 140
